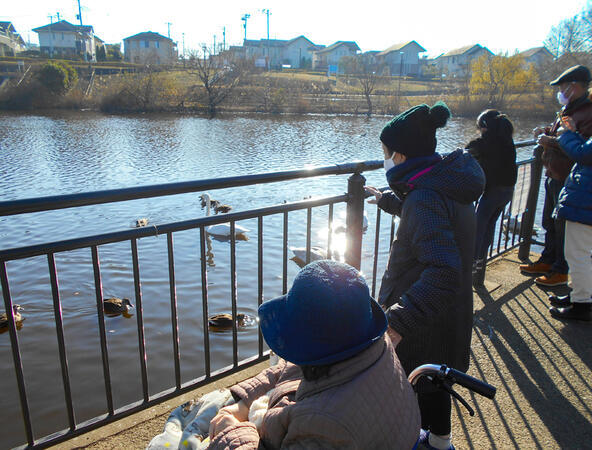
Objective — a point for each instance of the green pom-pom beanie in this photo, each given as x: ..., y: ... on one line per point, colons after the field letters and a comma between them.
x: 413, y: 132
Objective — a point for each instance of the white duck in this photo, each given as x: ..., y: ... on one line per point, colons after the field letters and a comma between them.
x: 339, y: 224
x: 223, y: 229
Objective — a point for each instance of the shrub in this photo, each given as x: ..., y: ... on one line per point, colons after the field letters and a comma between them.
x: 57, y: 77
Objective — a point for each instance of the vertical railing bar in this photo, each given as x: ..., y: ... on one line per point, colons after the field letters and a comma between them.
x: 393, y: 221
x: 515, y: 231
x: 233, y: 293
x: 57, y: 311
x: 308, y: 232
x: 140, y: 320
x: 260, y: 275
x: 501, y: 231
x: 102, y: 333
x: 330, y: 232
x: 376, y: 242
x: 508, y: 225
x: 285, y: 256
x: 204, y: 301
x: 16, y: 355
x: 174, y: 316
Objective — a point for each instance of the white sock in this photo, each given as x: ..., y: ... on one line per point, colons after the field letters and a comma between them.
x: 440, y: 442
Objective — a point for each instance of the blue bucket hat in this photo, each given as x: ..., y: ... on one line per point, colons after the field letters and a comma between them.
x: 327, y: 316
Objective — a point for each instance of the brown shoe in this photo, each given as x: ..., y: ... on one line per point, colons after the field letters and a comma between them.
x: 552, y: 279
x: 536, y: 268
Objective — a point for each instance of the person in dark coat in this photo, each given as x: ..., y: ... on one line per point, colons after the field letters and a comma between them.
x: 573, y: 94
x: 496, y: 154
x: 575, y: 207
x: 426, y: 289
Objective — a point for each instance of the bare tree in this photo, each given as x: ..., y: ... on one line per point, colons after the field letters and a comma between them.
x: 366, y: 70
x: 218, y: 75
x: 571, y: 39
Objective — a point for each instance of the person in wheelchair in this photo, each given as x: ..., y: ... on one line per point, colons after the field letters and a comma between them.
x: 340, y: 383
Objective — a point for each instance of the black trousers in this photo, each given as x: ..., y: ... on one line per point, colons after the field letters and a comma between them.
x: 435, y: 408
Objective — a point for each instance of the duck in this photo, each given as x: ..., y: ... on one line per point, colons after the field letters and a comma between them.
x: 224, y: 320
x: 219, y: 208
x: 203, y: 201
x: 116, y: 305
x: 141, y: 222
x: 15, y: 313
x: 223, y: 229
x: 316, y: 253
x: 339, y: 224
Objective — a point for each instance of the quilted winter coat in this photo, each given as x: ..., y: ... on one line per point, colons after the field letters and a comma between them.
x: 426, y: 289
x: 364, y: 403
x: 575, y: 199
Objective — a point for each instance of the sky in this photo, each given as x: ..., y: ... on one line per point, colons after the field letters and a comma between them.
x: 438, y: 26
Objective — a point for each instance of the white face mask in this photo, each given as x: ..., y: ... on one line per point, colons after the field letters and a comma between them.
x: 562, y: 98
x: 388, y: 164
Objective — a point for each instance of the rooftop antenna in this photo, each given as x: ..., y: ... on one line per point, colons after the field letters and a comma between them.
x: 244, y: 18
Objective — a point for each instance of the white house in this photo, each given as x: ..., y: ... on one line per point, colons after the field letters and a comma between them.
x: 537, y: 56
x: 457, y: 62
x: 296, y: 53
x: 11, y: 42
x: 402, y: 59
x: 64, y: 39
x: 330, y: 56
x: 150, y: 48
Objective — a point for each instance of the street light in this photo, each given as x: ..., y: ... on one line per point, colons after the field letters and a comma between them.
x: 266, y: 11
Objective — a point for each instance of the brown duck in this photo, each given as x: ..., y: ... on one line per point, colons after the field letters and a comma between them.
x: 224, y: 320
x: 116, y: 305
x: 17, y: 316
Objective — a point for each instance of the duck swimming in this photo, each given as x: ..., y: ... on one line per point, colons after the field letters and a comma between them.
x: 16, y: 314
x: 116, y: 305
x: 223, y: 321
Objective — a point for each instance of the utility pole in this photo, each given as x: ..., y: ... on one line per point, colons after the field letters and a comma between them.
x: 183, y: 34
x: 169, y: 27
x: 266, y: 11
x: 58, y: 14
x: 50, y: 36
x: 79, y: 17
x: 244, y: 18
x: 224, y: 39
x: 214, y: 44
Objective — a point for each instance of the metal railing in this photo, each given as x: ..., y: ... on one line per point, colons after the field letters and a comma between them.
x: 354, y: 200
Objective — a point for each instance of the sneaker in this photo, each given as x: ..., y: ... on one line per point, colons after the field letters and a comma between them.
x: 577, y: 311
x: 424, y: 441
x: 536, y: 268
x: 552, y: 279
x: 559, y: 301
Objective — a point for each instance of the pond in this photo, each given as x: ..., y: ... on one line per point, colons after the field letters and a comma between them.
x: 70, y: 152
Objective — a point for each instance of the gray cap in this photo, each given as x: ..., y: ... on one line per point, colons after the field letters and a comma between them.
x: 575, y: 73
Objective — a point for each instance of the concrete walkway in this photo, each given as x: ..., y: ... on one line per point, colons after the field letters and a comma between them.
x: 542, y: 368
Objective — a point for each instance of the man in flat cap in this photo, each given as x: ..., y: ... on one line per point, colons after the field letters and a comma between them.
x: 573, y: 95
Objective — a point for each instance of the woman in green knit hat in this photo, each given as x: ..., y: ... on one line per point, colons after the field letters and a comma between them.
x: 426, y: 290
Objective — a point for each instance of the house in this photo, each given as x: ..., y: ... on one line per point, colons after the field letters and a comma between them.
x: 11, y: 42
x: 150, y: 48
x: 65, y: 39
x: 457, y: 62
x: 402, y: 59
x: 537, y: 56
x: 295, y: 53
x: 330, y: 56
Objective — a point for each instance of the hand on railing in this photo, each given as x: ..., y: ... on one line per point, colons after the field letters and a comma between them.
x: 377, y: 194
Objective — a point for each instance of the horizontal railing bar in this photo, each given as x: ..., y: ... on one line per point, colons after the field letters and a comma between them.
x: 120, y: 413
x: 119, y: 236
x: 30, y: 205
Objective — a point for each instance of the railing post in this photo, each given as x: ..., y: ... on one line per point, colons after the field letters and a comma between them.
x: 536, y: 169
x: 354, y: 220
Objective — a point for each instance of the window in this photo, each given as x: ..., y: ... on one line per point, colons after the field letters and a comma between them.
x: 62, y: 36
x: 146, y: 44
x: 157, y: 44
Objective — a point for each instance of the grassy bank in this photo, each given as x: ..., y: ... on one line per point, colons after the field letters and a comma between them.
x: 182, y: 90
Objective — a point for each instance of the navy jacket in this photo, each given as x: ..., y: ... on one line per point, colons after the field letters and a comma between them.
x: 426, y: 289
x: 575, y: 199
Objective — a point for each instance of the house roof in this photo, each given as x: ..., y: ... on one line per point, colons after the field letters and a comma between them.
x: 350, y: 44
x: 400, y: 46
x: 64, y: 25
x: 463, y: 50
x: 7, y: 27
x: 148, y: 36
x: 533, y: 51
x: 264, y: 43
